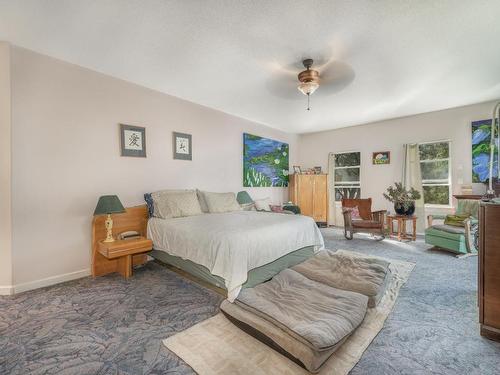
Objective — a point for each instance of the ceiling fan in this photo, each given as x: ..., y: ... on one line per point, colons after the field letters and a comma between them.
x: 309, y: 80
x: 333, y: 76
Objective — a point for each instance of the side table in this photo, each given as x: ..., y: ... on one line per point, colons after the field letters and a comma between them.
x: 401, y: 233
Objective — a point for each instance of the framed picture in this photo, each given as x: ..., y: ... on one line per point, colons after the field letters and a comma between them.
x: 318, y: 170
x: 182, y: 145
x: 381, y: 157
x: 133, y: 140
x: 296, y: 169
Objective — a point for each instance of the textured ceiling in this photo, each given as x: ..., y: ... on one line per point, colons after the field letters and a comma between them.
x: 385, y: 58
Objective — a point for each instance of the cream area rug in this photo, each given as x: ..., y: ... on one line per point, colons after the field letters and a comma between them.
x: 217, y: 346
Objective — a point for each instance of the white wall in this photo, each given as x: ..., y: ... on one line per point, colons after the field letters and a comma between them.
x: 5, y: 171
x: 453, y: 124
x: 66, y: 153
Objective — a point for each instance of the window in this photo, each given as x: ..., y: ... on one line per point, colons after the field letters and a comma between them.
x: 436, y: 176
x: 346, y: 172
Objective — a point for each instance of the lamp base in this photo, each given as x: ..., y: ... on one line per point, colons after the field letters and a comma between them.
x: 109, y: 229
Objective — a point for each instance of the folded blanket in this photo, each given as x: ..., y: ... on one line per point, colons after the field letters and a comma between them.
x: 367, y: 276
x: 313, y: 313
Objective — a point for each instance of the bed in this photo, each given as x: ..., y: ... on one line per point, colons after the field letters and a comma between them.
x: 234, y: 249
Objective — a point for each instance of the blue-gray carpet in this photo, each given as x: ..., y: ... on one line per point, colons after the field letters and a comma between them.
x: 114, y: 326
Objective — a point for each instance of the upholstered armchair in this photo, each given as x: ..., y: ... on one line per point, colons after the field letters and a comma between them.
x: 456, y: 237
x: 368, y: 221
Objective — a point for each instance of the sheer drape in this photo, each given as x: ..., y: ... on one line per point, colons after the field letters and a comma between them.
x: 412, y: 178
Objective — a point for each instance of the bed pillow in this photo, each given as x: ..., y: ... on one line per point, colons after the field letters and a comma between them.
x: 203, y: 202
x: 176, y: 204
x: 221, y: 202
x: 263, y: 204
x: 158, y: 195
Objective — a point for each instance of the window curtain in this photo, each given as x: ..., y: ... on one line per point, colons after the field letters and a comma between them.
x: 412, y: 178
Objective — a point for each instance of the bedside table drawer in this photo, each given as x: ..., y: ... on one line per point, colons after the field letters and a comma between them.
x: 121, y: 248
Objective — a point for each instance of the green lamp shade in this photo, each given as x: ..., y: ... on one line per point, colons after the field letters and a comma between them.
x: 244, y: 198
x: 108, y: 204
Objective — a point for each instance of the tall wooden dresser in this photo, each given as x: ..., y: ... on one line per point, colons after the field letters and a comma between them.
x: 489, y: 270
x: 310, y: 193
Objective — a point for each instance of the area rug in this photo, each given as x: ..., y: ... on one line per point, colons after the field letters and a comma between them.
x: 216, y: 346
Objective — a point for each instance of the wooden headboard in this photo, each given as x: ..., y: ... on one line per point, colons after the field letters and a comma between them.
x: 135, y: 218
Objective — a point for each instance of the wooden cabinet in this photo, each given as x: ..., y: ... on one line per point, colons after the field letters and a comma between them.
x: 489, y: 270
x: 310, y: 193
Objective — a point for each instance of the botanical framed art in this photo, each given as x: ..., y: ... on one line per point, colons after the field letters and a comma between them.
x: 381, y: 157
x: 133, y: 140
x: 265, y: 162
x: 182, y: 145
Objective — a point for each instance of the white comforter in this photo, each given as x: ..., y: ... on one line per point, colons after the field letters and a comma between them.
x: 231, y: 244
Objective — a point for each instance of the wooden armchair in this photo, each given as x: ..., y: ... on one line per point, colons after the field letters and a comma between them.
x: 369, y: 222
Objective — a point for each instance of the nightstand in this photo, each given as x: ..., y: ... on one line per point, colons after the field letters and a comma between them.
x: 123, y: 250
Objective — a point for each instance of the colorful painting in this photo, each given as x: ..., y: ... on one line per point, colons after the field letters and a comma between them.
x: 381, y: 157
x: 481, y: 135
x: 265, y: 162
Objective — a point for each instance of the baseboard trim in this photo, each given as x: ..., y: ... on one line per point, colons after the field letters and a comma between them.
x: 24, y: 287
x: 6, y: 290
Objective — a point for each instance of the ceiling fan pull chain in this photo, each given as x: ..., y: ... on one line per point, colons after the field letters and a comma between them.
x: 308, y: 107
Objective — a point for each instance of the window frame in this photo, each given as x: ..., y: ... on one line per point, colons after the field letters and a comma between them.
x: 438, y: 182
x: 348, y: 184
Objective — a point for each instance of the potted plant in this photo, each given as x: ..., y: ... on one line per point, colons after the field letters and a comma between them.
x: 403, y: 199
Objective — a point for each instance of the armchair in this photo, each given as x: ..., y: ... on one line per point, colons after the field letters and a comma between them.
x: 460, y: 240
x: 369, y: 222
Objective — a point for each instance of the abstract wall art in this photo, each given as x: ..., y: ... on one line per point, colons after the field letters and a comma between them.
x: 265, y: 162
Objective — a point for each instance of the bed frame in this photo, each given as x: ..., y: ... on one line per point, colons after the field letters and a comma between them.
x: 136, y: 218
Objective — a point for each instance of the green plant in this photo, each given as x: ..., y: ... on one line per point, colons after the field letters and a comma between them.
x: 399, y: 195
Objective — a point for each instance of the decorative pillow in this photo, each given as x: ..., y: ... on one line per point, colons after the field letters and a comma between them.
x: 176, y: 204
x: 276, y: 208
x: 149, y: 202
x: 355, y: 213
x: 263, y: 204
x: 456, y: 220
x: 203, y: 202
x: 248, y: 206
x: 221, y: 202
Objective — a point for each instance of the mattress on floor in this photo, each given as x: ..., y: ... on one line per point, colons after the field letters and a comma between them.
x: 368, y: 276
x: 276, y: 338
x: 305, y: 320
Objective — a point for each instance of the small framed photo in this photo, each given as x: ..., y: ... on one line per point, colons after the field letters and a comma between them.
x: 317, y: 170
x: 133, y: 140
x: 381, y: 157
x: 297, y: 170
x: 182, y: 146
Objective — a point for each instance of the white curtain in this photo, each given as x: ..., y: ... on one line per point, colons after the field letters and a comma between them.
x: 412, y: 178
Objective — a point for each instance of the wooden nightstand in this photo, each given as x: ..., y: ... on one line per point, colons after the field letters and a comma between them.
x: 123, y: 250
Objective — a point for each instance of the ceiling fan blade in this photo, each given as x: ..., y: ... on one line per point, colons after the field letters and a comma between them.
x: 283, y: 84
x: 334, y: 77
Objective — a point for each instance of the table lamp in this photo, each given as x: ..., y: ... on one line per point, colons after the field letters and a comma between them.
x: 107, y: 205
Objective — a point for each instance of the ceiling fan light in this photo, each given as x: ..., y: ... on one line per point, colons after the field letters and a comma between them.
x: 308, y: 88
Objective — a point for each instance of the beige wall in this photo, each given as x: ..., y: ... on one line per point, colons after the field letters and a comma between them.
x: 453, y: 124
x: 5, y: 171
x: 66, y: 154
